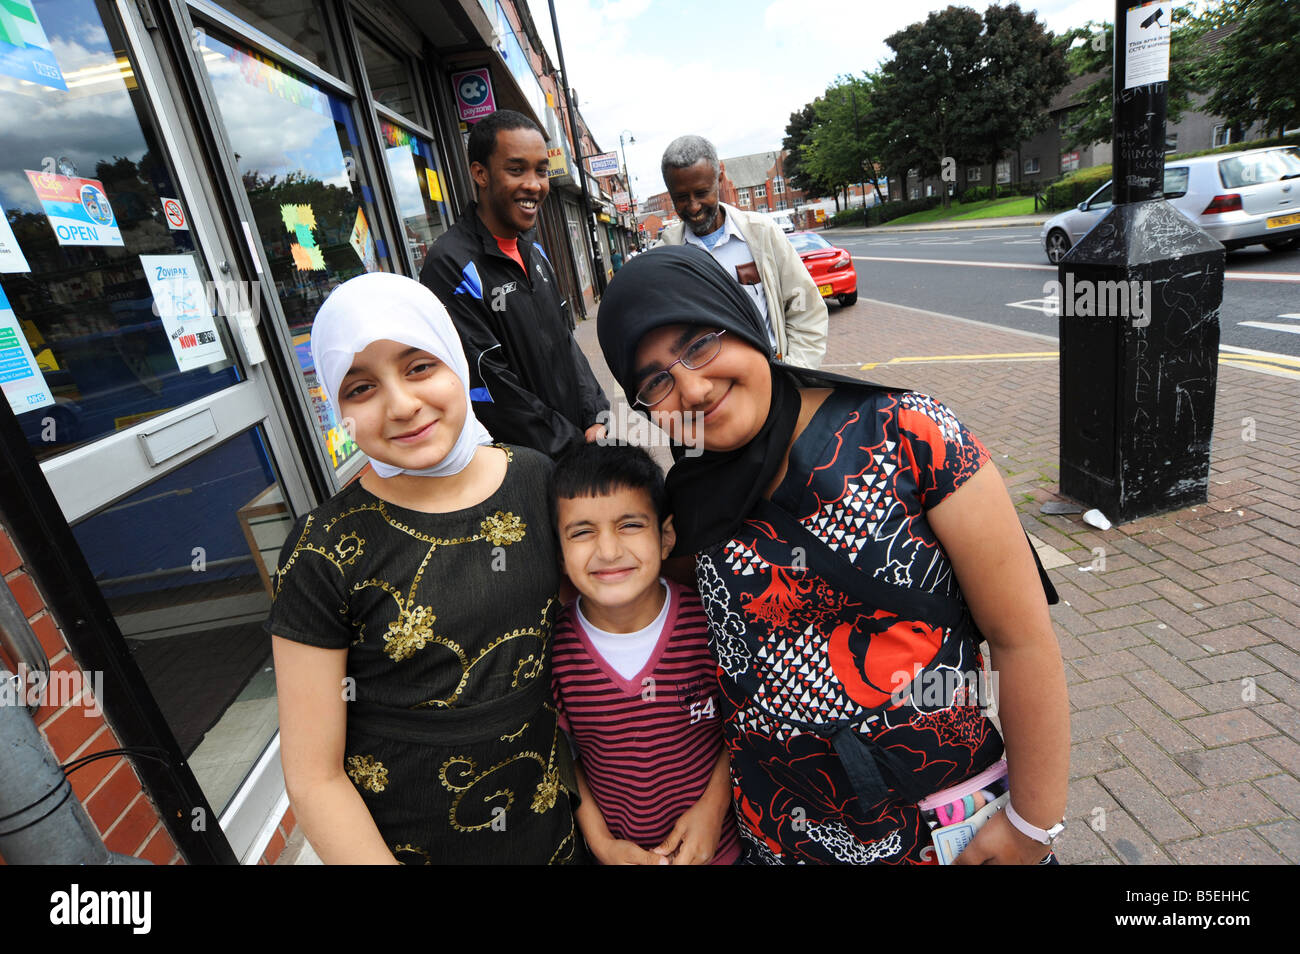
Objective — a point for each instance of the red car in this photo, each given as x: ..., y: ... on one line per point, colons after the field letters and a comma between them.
x: 831, y: 267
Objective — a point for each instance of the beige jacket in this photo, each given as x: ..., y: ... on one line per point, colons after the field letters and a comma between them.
x: 794, y: 306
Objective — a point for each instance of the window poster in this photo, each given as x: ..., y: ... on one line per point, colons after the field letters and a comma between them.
x: 11, y: 255
x: 181, y: 301
x: 363, y: 244
x: 25, y: 52
x: 21, y: 379
x: 78, y: 209
x: 299, y: 220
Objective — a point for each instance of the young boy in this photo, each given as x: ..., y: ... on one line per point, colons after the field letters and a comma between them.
x: 634, y: 681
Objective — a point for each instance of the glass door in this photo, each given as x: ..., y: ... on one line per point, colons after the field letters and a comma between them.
x: 128, y: 354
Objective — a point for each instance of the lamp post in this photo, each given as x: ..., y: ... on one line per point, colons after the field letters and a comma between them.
x: 631, y: 198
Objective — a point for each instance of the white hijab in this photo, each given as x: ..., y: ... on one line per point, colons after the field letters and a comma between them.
x: 381, y: 306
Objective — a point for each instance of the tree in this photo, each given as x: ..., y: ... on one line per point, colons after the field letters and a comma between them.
x: 1251, y: 74
x: 1091, y: 51
x: 925, y: 92
x: 798, y: 134
x: 1024, y: 69
x: 844, y: 144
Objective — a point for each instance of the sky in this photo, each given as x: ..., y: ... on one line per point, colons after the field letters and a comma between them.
x: 730, y: 70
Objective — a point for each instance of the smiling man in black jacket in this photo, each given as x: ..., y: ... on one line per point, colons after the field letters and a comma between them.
x: 529, y: 381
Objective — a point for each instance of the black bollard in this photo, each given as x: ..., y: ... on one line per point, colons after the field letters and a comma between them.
x: 1139, y: 312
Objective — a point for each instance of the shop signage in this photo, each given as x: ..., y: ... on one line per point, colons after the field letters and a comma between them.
x: 622, y: 200
x: 558, y: 162
x: 77, y: 209
x: 363, y: 244
x: 603, y: 164
x: 182, y: 303
x: 21, y: 379
x: 11, y: 254
x: 473, y: 89
x: 175, y: 215
x: 25, y: 52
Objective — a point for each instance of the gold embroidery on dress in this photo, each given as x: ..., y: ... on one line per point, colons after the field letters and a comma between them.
x: 547, y: 789
x: 367, y: 773
x: 412, y: 631
x: 349, y: 547
x: 501, y: 529
x: 411, y: 849
x: 514, y: 735
x: 535, y: 667
x: 466, y: 778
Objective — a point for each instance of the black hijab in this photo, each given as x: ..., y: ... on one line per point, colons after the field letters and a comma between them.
x: 710, y: 494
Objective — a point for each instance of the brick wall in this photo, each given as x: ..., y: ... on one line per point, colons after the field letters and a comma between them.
x: 109, y: 788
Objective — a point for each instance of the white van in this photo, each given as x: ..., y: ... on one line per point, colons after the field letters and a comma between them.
x: 782, y: 218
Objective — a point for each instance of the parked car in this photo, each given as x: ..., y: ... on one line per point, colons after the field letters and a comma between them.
x: 1239, y: 198
x: 782, y: 219
x: 831, y: 267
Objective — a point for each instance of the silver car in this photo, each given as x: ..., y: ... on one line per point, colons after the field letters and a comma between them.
x: 1239, y: 198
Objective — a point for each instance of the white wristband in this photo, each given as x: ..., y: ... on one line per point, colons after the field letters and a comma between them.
x: 1043, y: 836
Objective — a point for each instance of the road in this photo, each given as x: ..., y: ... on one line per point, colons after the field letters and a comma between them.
x: 996, y: 275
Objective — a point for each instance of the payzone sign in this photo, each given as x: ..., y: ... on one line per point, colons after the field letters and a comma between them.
x: 473, y: 90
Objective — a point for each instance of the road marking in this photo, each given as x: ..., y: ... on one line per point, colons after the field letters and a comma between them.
x: 1270, y: 326
x: 1046, y: 306
x: 1236, y: 276
x: 930, y: 359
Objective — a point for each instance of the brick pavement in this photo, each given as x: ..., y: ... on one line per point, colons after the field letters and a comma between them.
x: 1180, y: 632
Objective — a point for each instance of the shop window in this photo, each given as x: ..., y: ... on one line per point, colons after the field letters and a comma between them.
x: 297, y: 25
x: 185, y: 565
x: 419, y: 188
x: 92, y: 201
x: 299, y: 157
x: 389, y: 76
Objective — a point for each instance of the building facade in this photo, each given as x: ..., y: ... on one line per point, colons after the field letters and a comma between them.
x: 182, y: 183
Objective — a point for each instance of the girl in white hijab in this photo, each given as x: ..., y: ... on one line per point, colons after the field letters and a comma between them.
x: 412, y: 615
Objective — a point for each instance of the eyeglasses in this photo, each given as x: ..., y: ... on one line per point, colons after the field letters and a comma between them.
x: 697, y: 354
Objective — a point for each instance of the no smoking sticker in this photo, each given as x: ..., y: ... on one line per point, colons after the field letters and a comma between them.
x: 174, y: 214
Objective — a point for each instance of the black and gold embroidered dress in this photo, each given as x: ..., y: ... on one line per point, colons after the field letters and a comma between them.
x: 452, y: 738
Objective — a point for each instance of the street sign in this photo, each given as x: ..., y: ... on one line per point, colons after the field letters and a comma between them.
x: 473, y: 89
x: 622, y: 200
x: 603, y: 164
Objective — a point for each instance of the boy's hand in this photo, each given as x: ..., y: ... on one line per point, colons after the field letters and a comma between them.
x: 694, y: 839
x: 617, y: 851
x: 1001, y: 843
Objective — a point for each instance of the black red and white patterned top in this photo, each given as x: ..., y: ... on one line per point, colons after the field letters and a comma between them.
x: 805, y: 640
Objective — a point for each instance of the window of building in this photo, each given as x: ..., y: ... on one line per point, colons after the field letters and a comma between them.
x: 419, y: 187
x: 760, y: 191
x: 1031, y: 166
x: 1003, y: 171
x: 389, y: 77
x: 916, y: 193
x: 1222, y: 135
x: 781, y: 204
x: 929, y: 189
x: 297, y: 25
x: 309, y: 192
x: 778, y: 185
x: 974, y: 174
x: 743, y: 197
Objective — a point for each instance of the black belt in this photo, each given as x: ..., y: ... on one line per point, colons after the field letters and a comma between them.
x: 450, y: 726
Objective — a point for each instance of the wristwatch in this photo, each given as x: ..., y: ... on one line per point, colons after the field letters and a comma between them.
x: 1043, y: 836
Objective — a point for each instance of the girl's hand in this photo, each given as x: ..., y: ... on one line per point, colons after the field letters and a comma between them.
x: 616, y: 851
x: 694, y: 839
x: 1001, y: 843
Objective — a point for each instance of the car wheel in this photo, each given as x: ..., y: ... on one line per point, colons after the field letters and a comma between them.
x: 1058, y: 243
x: 1283, y: 244
x: 847, y: 299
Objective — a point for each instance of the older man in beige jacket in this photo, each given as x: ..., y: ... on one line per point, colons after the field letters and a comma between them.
x: 751, y: 247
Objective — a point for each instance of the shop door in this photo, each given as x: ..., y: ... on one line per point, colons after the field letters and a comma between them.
x: 143, y: 389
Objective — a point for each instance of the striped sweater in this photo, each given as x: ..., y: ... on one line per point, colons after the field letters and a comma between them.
x: 647, y: 744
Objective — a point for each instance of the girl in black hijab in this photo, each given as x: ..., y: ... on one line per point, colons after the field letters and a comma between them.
x: 852, y: 546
